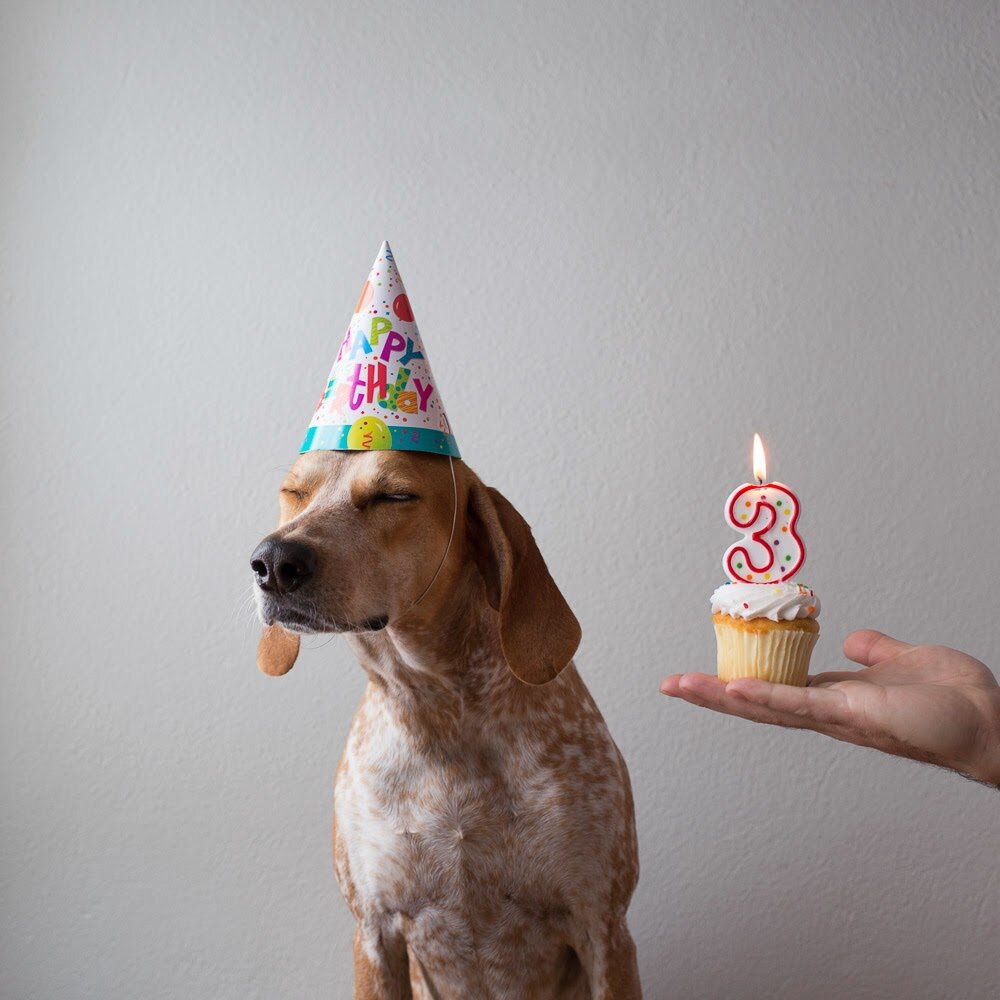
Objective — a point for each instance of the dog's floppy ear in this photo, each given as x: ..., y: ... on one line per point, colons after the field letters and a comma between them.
x: 538, y: 632
x: 277, y: 651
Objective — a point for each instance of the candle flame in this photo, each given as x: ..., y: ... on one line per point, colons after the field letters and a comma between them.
x: 759, y: 464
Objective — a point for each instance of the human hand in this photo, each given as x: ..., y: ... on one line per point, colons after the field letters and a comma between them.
x: 928, y: 703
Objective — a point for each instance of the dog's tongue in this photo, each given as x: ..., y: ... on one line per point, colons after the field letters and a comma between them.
x: 277, y: 651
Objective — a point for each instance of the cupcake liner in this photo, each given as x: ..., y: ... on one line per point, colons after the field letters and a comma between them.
x: 778, y: 655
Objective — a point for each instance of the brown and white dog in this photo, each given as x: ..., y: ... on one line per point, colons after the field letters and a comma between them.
x: 484, y: 834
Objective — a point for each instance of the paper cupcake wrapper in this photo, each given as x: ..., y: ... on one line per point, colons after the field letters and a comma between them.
x: 777, y: 655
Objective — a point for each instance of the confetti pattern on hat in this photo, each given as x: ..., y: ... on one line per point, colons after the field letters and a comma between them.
x: 381, y: 392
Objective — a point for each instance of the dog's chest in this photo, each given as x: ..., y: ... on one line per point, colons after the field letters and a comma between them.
x: 460, y: 833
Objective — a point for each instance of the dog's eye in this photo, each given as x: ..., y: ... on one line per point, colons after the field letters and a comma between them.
x: 287, y: 491
x: 393, y: 498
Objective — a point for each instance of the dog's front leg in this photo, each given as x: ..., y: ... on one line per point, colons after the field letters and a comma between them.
x: 381, y: 968
x: 610, y: 963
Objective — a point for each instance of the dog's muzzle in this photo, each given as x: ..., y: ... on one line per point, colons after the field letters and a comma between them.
x: 282, y: 566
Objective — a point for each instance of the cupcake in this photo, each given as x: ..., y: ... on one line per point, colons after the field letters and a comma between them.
x: 765, y: 630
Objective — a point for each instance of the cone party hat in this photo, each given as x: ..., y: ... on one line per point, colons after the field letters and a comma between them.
x: 381, y: 392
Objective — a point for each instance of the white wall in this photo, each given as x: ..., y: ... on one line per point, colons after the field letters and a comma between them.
x: 721, y: 217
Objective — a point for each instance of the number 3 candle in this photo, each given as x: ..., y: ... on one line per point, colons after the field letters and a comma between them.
x: 766, y: 514
x: 765, y: 623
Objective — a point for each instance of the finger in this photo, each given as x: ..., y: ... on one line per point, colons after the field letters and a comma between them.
x: 869, y: 647
x: 835, y: 676
x: 810, y: 707
x: 707, y: 691
x: 671, y: 686
x: 690, y: 686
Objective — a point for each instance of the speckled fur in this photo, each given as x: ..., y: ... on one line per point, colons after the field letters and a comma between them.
x: 484, y: 832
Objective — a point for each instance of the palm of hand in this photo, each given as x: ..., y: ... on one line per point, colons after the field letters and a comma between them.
x: 929, y: 703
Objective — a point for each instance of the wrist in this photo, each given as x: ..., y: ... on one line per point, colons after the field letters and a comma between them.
x: 988, y: 771
x: 986, y: 765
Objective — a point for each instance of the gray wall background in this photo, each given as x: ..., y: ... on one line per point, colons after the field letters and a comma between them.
x: 722, y: 216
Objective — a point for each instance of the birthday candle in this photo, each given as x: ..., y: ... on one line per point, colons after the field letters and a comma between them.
x: 766, y: 514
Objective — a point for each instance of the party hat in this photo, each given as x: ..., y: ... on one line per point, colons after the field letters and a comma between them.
x: 381, y: 392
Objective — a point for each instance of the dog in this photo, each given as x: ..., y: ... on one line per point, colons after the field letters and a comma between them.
x: 484, y: 830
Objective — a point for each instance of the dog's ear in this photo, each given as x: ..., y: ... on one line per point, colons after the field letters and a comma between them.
x: 277, y: 651
x: 538, y: 632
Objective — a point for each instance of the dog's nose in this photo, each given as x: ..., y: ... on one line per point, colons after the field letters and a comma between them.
x: 282, y: 565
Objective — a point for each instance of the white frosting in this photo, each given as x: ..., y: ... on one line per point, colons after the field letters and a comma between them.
x: 777, y: 601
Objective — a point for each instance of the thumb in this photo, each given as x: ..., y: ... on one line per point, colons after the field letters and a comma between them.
x: 869, y: 647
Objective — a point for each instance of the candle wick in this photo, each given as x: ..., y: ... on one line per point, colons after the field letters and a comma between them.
x: 760, y: 482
